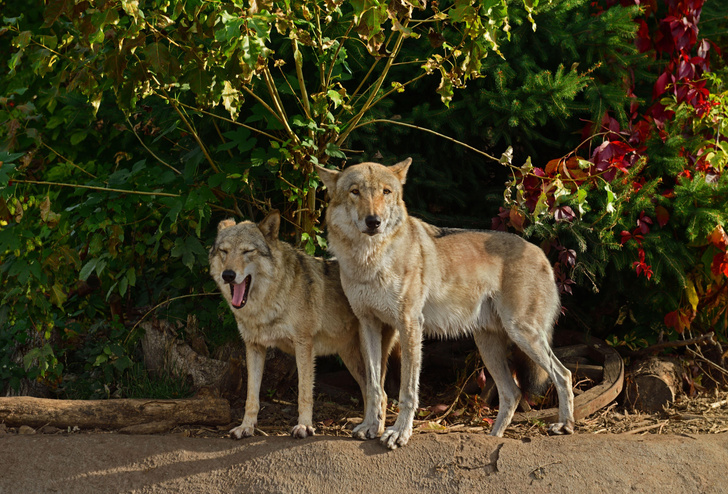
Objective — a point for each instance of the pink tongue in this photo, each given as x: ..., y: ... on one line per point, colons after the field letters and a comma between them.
x: 239, y: 292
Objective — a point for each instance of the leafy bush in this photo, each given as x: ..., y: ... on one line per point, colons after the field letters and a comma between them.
x: 130, y: 128
x: 645, y: 196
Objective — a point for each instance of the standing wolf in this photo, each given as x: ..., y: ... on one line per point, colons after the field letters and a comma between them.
x: 283, y: 298
x: 421, y: 279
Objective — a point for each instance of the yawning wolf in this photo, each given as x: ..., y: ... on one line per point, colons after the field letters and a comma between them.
x: 283, y: 298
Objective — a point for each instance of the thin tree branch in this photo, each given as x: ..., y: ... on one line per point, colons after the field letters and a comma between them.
x: 417, y: 127
x: 229, y: 120
x: 91, y: 187
x: 377, y: 85
x: 131, y: 127
x: 191, y: 129
x: 67, y: 160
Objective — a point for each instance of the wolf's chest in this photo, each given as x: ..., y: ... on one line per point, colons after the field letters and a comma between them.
x: 379, y: 294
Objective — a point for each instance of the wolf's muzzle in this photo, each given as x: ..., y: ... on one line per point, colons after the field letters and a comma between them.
x: 228, y: 276
x: 238, y: 291
x: 373, y: 222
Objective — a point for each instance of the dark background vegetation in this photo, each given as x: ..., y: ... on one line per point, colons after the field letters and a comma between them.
x: 122, y: 148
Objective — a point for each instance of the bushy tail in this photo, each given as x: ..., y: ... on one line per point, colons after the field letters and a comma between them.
x: 533, y: 380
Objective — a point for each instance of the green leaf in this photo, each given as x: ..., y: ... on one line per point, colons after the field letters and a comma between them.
x: 77, y: 137
x: 610, y: 199
x: 158, y: 56
x: 58, y: 295
x: 131, y: 276
x: 87, y: 269
x: 22, y: 40
x: 541, y: 205
x: 334, y: 151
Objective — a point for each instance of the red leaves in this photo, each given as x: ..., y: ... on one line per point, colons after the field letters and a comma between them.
x: 663, y: 216
x: 564, y: 213
x: 481, y: 379
x: 563, y: 282
x: 644, y: 40
x: 613, y: 155
x: 718, y: 238
x: 627, y: 236
x: 643, y: 223
x: 641, y: 267
x: 719, y: 265
x: 679, y: 319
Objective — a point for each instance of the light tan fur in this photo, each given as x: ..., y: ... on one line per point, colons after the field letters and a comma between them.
x: 425, y: 280
x: 294, y: 302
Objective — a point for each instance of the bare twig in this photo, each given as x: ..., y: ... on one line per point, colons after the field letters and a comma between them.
x: 647, y: 428
x: 424, y: 129
x: 671, y: 344
x: 67, y: 160
x: 131, y: 127
x: 91, y: 187
x: 131, y: 331
x: 457, y: 397
x: 709, y: 362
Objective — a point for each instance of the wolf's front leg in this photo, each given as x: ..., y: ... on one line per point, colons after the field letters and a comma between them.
x: 305, y: 365
x: 255, y: 360
x: 371, y: 349
x: 410, y: 340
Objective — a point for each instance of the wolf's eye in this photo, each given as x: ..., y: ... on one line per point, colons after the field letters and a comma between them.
x: 222, y: 251
x: 249, y: 251
x: 354, y: 192
x: 386, y: 191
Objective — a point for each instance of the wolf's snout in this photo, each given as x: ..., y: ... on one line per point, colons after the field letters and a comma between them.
x: 372, y: 222
x: 228, y: 276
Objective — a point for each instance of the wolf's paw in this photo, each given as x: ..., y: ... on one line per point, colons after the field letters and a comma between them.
x: 395, y: 436
x: 302, y: 431
x: 241, y: 431
x: 366, y: 431
x: 560, y: 428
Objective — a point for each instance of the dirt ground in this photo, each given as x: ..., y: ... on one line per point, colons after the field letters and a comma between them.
x: 682, y: 449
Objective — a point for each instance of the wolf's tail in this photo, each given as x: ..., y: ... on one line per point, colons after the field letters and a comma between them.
x: 532, y: 378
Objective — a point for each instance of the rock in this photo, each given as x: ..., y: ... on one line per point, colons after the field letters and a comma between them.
x: 24, y: 429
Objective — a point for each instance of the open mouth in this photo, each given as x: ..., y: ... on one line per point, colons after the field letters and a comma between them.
x: 239, y: 293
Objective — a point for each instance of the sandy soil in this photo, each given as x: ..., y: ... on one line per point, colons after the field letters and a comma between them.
x: 454, y: 462
x: 682, y: 449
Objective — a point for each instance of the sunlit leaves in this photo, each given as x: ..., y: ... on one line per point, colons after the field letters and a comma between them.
x: 231, y: 100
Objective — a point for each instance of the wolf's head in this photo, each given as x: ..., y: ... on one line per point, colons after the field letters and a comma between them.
x: 241, y: 257
x: 366, y: 198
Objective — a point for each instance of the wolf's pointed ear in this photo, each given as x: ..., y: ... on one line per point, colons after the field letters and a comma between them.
x: 328, y: 177
x: 400, y: 169
x: 271, y: 224
x: 225, y: 223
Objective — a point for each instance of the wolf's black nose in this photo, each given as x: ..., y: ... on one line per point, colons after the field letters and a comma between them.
x: 372, y: 222
x: 228, y: 275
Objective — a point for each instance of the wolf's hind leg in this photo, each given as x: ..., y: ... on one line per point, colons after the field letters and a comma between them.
x: 494, y: 350
x: 536, y: 346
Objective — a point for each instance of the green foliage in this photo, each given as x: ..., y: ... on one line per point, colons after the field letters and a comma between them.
x: 128, y: 129
x: 552, y: 81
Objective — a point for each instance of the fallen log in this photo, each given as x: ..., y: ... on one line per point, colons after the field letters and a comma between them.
x: 653, y: 383
x: 112, y: 414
